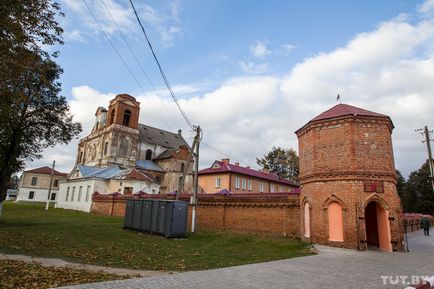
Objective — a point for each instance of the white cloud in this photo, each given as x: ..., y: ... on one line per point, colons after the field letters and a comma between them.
x: 427, y: 7
x: 389, y: 70
x: 252, y: 67
x: 287, y: 48
x: 259, y: 49
x: 165, y: 23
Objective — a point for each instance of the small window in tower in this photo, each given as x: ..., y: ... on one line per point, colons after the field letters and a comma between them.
x: 148, y: 154
x: 112, y: 116
x: 182, y: 167
x: 127, y: 116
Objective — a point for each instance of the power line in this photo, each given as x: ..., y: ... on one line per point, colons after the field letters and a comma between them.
x: 135, y: 57
x: 120, y: 56
x: 160, y: 68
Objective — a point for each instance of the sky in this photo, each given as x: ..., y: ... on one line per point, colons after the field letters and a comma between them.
x: 250, y: 73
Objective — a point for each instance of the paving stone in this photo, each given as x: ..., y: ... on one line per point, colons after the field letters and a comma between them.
x: 331, y: 268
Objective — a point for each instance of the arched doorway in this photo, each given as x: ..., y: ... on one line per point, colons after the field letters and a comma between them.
x: 377, y: 227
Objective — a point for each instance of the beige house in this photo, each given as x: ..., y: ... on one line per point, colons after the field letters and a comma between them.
x: 237, y: 179
x: 34, y: 185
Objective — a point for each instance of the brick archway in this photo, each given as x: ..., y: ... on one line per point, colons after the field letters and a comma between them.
x: 377, y: 226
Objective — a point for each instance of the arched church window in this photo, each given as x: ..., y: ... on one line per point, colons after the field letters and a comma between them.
x: 182, y: 167
x: 127, y: 116
x: 148, y: 154
x: 112, y: 116
x: 336, y: 228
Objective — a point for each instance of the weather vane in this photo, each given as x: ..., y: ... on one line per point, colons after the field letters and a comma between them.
x: 338, y: 98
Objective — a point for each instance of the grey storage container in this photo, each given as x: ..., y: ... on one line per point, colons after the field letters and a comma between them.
x: 128, y: 219
x: 163, y: 217
x: 154, y: 215
x: 145, y: 224
x: 162, y: 214
x: 176, y: 219
x: 137, y: 214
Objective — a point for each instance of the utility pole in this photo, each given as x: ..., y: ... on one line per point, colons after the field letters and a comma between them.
x: 426, y: 133
x: 51, y: 184
x: 193, y: 152
x: 198, y: 138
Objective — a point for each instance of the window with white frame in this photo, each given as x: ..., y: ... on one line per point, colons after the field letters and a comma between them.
x: 261, y: 187
x: 237, y: 183
x: 67, y: 194
x: 218, y: 182
x: 243, y: 184
x: 272, y: 189
x: 80, y: 190
x: 249, y: 185
x: 34, y: 181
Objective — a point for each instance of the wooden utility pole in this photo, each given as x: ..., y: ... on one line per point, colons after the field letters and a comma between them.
x: 51, y: 184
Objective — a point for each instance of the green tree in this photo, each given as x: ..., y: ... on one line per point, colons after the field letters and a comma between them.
x: 400, y: 183
x: 33, y: 113
x: 283, y: 162
x: 417, y: 194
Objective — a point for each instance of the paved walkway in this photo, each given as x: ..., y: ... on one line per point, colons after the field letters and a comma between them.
x: 331, y: 268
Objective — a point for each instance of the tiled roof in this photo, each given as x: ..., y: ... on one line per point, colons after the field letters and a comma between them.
x: 45, y: 170
x: 223, y: 167
x: 114, y: 172
x: 148, y: 165
x: 345, y: 109
x: 160, y: 137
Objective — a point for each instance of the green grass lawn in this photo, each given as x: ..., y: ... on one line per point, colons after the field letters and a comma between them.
x: 86, y: 238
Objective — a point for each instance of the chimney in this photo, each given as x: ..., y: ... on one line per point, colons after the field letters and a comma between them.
x: 237, y: 164
x: 179, y: 132
x: 226, y: 161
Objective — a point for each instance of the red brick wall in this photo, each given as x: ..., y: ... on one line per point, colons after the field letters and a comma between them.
x: 273, y: 214
x: 336, y: 156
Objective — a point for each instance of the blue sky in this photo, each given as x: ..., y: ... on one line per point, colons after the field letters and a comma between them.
x: 253, y: 72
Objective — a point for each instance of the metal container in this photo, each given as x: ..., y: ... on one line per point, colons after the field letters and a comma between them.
x: 137, y: 214
x: 145, y: 224
x: 128, y: 219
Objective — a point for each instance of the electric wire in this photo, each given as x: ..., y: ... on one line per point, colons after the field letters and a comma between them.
x: 120, y: 56
x: 136, y: 58
x: 166, y: 81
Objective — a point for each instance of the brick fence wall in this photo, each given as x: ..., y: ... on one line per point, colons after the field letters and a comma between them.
x: 267, y: 213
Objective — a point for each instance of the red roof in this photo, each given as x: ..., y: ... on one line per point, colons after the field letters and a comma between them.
x: 224, y: 167
x: 45, y: 170
x: 345, y: 109
x: 340, y: 110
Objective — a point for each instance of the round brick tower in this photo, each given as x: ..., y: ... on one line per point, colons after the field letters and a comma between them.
x: 348, y: 181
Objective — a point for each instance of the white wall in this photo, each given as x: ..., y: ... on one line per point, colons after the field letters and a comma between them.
x: 40, y: 195
x: 75, y: 200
